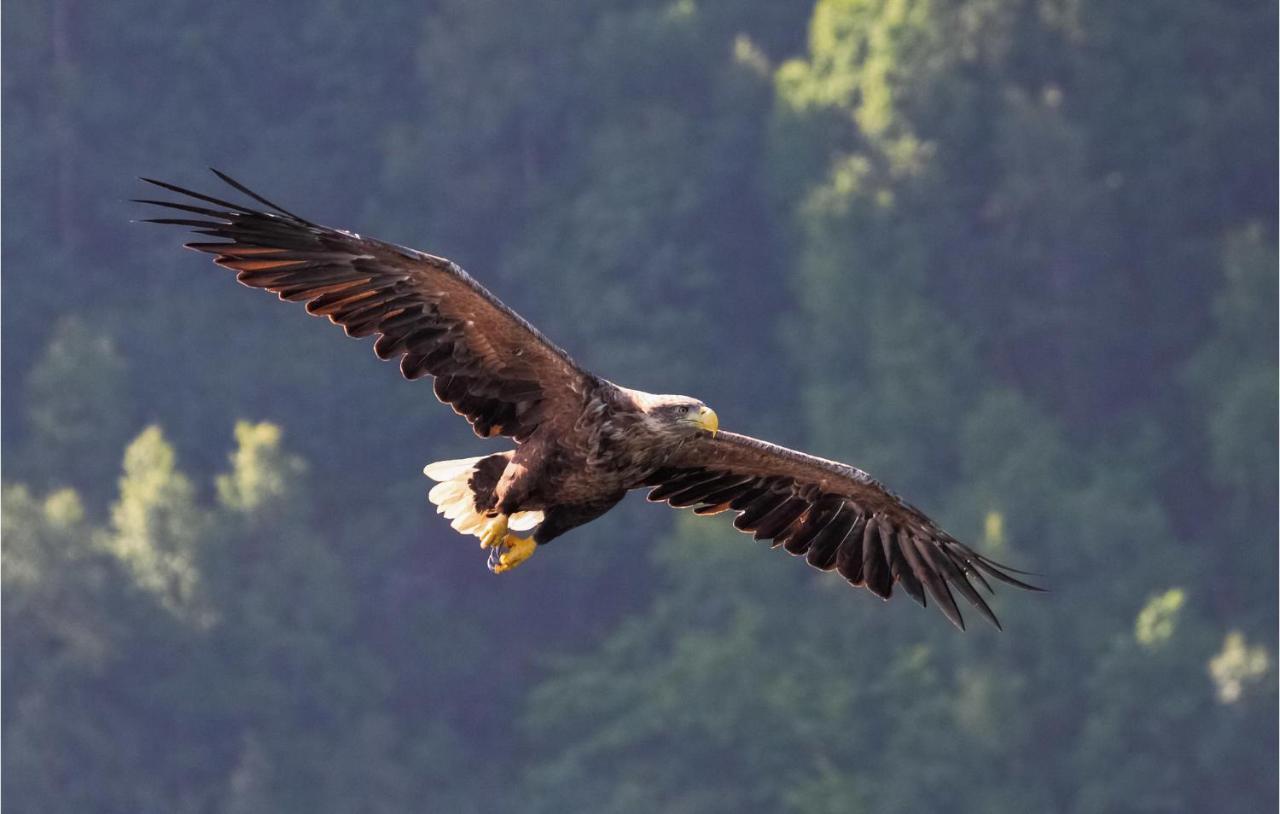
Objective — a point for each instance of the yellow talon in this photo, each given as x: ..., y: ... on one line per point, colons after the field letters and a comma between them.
x: 518, y: 549
x: 495, y: 534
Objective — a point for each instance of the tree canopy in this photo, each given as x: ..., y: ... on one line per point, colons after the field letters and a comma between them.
x: 1017, y: 259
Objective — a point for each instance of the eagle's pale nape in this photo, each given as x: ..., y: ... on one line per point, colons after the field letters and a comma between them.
x: 581, y: 442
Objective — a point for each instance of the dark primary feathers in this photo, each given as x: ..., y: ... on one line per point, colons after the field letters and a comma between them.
x: 835, y: 516
x: 493, y: 367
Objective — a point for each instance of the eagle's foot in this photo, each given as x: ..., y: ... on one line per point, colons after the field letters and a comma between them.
x: 495, y: 533
x: 510, y: 552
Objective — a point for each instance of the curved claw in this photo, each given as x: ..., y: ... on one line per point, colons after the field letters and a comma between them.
x: 510, y: 552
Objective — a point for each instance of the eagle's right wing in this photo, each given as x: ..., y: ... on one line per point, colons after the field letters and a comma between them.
x: 491, y: 365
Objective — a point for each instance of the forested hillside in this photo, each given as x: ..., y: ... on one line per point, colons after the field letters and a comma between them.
x: 1016, y: 258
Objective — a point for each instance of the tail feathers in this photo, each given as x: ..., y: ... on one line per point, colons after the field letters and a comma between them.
x: 448, y: 470
x: 453, y: 497
x: 523, y: 521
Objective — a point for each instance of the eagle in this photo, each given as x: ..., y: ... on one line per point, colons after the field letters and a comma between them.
x: 581, y: 442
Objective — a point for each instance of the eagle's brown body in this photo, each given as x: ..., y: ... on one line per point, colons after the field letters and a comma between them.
x: 581, y: 442
x: 575, y: 472
x: 577, y: 466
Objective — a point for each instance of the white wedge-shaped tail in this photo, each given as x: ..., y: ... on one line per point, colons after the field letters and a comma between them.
x: 453, y: 498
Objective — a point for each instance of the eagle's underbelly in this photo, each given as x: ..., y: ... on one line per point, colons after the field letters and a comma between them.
x: 587, y: 484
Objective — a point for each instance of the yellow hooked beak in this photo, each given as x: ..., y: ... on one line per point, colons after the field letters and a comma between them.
x: 708, y: 420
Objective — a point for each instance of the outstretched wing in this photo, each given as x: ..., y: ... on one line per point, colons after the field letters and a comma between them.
x: 833, y: 515
x: 491, y: 365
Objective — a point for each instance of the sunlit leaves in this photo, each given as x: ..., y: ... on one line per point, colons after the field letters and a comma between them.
x: 1158, y: 620
x: 1238, y: 666
x: 156, y: 526
x: 261, y: 474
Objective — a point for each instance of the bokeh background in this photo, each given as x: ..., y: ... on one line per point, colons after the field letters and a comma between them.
x: 1017, y: 258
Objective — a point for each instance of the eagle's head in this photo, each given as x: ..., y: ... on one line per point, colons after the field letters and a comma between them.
x: 678, y: 416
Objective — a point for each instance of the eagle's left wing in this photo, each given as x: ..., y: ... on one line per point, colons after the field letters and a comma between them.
x: 836, y: 516
x: 489, y: 364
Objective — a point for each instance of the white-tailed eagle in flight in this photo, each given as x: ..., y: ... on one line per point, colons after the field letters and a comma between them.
x: 580, y: 441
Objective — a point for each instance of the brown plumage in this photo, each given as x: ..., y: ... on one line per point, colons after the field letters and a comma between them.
x: 581, y: 441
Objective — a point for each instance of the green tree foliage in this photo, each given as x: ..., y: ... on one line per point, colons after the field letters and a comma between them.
x: 952, y: 198
x: 173, y: 659
x: 633, y: 139
x: 97, y: 687
x: 156, y: 528
x: 1232, y: 381
x: 79, y: 407
x: 1017, y: 258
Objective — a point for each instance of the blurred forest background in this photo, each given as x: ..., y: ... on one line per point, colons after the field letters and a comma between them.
x: 1017, y: 258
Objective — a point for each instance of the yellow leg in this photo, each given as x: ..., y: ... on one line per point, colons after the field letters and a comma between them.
x: 515, y: 550
x: 496, y: 533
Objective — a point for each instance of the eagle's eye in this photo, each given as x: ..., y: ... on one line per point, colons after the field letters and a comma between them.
x: 683, y: 409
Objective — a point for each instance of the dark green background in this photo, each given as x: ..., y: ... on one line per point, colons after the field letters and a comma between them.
x: 1017, y: 258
